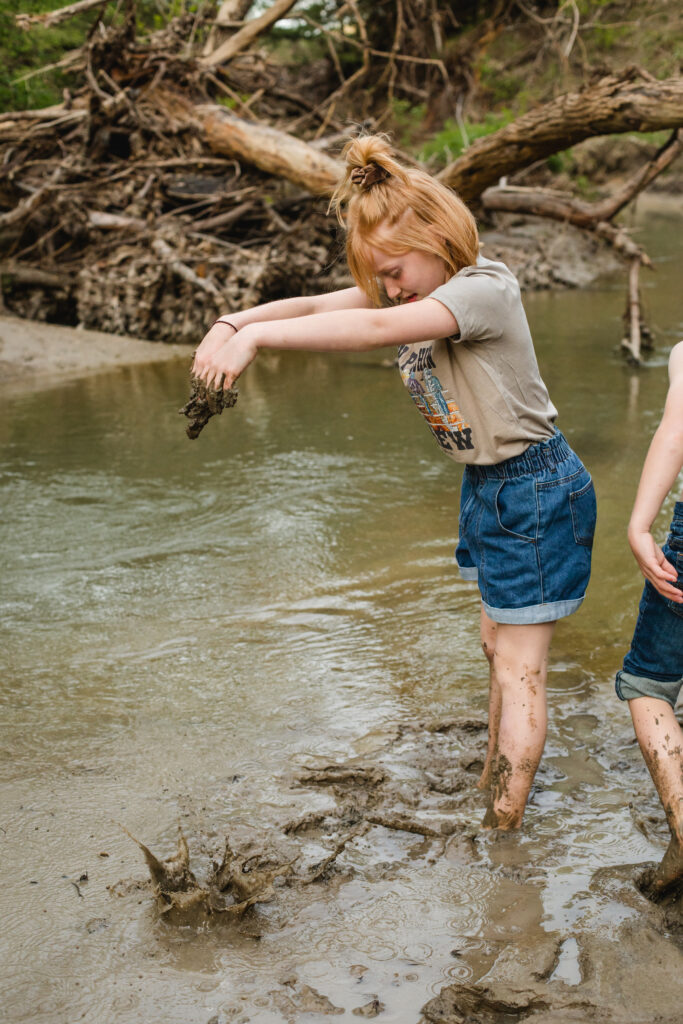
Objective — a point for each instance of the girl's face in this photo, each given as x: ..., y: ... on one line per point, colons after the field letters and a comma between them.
x: 410, y: 276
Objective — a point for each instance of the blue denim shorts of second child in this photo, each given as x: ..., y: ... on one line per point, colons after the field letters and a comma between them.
x: 654, y: 665
x: 526, y: 533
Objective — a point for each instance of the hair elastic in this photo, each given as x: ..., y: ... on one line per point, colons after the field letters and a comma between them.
x: 369, y: 175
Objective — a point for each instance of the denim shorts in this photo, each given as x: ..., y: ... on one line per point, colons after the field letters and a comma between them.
x: 526, y: 533
x: 654, y: 665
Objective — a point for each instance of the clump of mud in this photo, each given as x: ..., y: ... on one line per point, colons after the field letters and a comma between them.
x: 204, y: 403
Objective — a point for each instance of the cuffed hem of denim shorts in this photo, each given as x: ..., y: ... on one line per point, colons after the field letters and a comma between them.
x: 629, y: 687
x: 533, y: 613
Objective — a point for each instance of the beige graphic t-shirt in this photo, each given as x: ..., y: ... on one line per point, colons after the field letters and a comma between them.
x: 481, y: 391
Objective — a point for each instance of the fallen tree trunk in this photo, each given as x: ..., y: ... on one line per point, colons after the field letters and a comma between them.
x: 270, y: 150
x: 631, y: 101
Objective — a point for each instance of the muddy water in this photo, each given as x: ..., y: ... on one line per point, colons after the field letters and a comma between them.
x: 186, y: 625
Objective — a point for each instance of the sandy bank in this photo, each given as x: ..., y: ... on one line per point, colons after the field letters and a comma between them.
x: 35, y: 354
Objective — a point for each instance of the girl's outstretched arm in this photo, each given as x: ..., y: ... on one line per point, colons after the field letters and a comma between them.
x: 280, y: 309
x: 343, y: 330
x: 662, y: 465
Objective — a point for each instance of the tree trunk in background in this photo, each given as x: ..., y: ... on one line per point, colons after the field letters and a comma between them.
x: 616, y: 103
x: 613, y: 105
x: 268, y: 149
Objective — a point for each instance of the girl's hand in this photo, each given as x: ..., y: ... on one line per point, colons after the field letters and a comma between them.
x: 224, y: 366
x: 215, y: 338
x: 654, y: 566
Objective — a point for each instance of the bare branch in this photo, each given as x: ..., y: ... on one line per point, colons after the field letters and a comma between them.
x: 50, y: 18
x: 246, y: 36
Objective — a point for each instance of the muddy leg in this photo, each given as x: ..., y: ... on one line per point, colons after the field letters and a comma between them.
x: 488, y: 643
x: 661, y: 742
x: 520, y: 666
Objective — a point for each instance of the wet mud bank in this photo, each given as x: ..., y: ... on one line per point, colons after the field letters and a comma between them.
x: 35, y: 355
x: 409, y: 800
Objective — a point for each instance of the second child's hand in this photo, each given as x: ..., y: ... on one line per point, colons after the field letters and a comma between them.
x: 223, y: 366
x: 654, y: 566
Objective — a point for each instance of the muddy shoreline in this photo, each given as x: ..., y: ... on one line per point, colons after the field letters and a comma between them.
x: 34, y: 354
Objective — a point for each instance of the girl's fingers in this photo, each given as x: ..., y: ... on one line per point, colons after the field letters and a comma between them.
x: 663, y: 587
x: 669, y: 569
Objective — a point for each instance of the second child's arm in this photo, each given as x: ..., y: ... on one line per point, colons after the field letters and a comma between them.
x: 341, y: 330
x: 662, y: 465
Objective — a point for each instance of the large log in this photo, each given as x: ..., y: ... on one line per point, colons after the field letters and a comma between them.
x: 631, y: 101
x: 270, y: 150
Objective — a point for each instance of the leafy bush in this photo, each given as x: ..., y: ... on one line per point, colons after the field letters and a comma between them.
x: 450, y: 142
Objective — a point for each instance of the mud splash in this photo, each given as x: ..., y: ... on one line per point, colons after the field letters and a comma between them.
x: 447, y: 757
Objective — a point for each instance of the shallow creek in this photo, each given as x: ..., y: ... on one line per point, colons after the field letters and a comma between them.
x: 188, y: 625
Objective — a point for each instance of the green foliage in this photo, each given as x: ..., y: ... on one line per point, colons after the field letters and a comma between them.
x: 450, y: 142
x: 560, y: 162
x: 297, y: 42
x: 22, y: 51
x: 502, y: 87
x: 25, y: 51
x: 408, y: 119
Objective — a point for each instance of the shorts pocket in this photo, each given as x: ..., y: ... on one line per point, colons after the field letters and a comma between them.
x: 517, y: 508
x: 584, y: 514
x: 468, y: 495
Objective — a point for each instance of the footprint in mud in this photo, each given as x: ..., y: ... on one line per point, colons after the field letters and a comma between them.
x: 295, y: 998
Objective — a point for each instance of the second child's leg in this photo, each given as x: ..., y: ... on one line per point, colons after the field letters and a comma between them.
x: 520, y: 666
x: 661, y: 742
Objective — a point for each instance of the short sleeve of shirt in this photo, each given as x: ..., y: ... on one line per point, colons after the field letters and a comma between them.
x: 481, y: 298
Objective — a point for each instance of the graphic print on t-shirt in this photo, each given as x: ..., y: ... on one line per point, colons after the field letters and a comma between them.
x: 444, y: 418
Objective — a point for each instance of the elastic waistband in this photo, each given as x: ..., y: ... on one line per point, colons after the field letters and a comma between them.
x: 544, y: 455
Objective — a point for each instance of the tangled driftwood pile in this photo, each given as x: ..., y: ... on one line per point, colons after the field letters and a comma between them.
x: 116, y: 213
x: 142, y: 205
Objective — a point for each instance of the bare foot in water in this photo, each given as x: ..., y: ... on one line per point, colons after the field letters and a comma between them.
x: 655, y: 882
